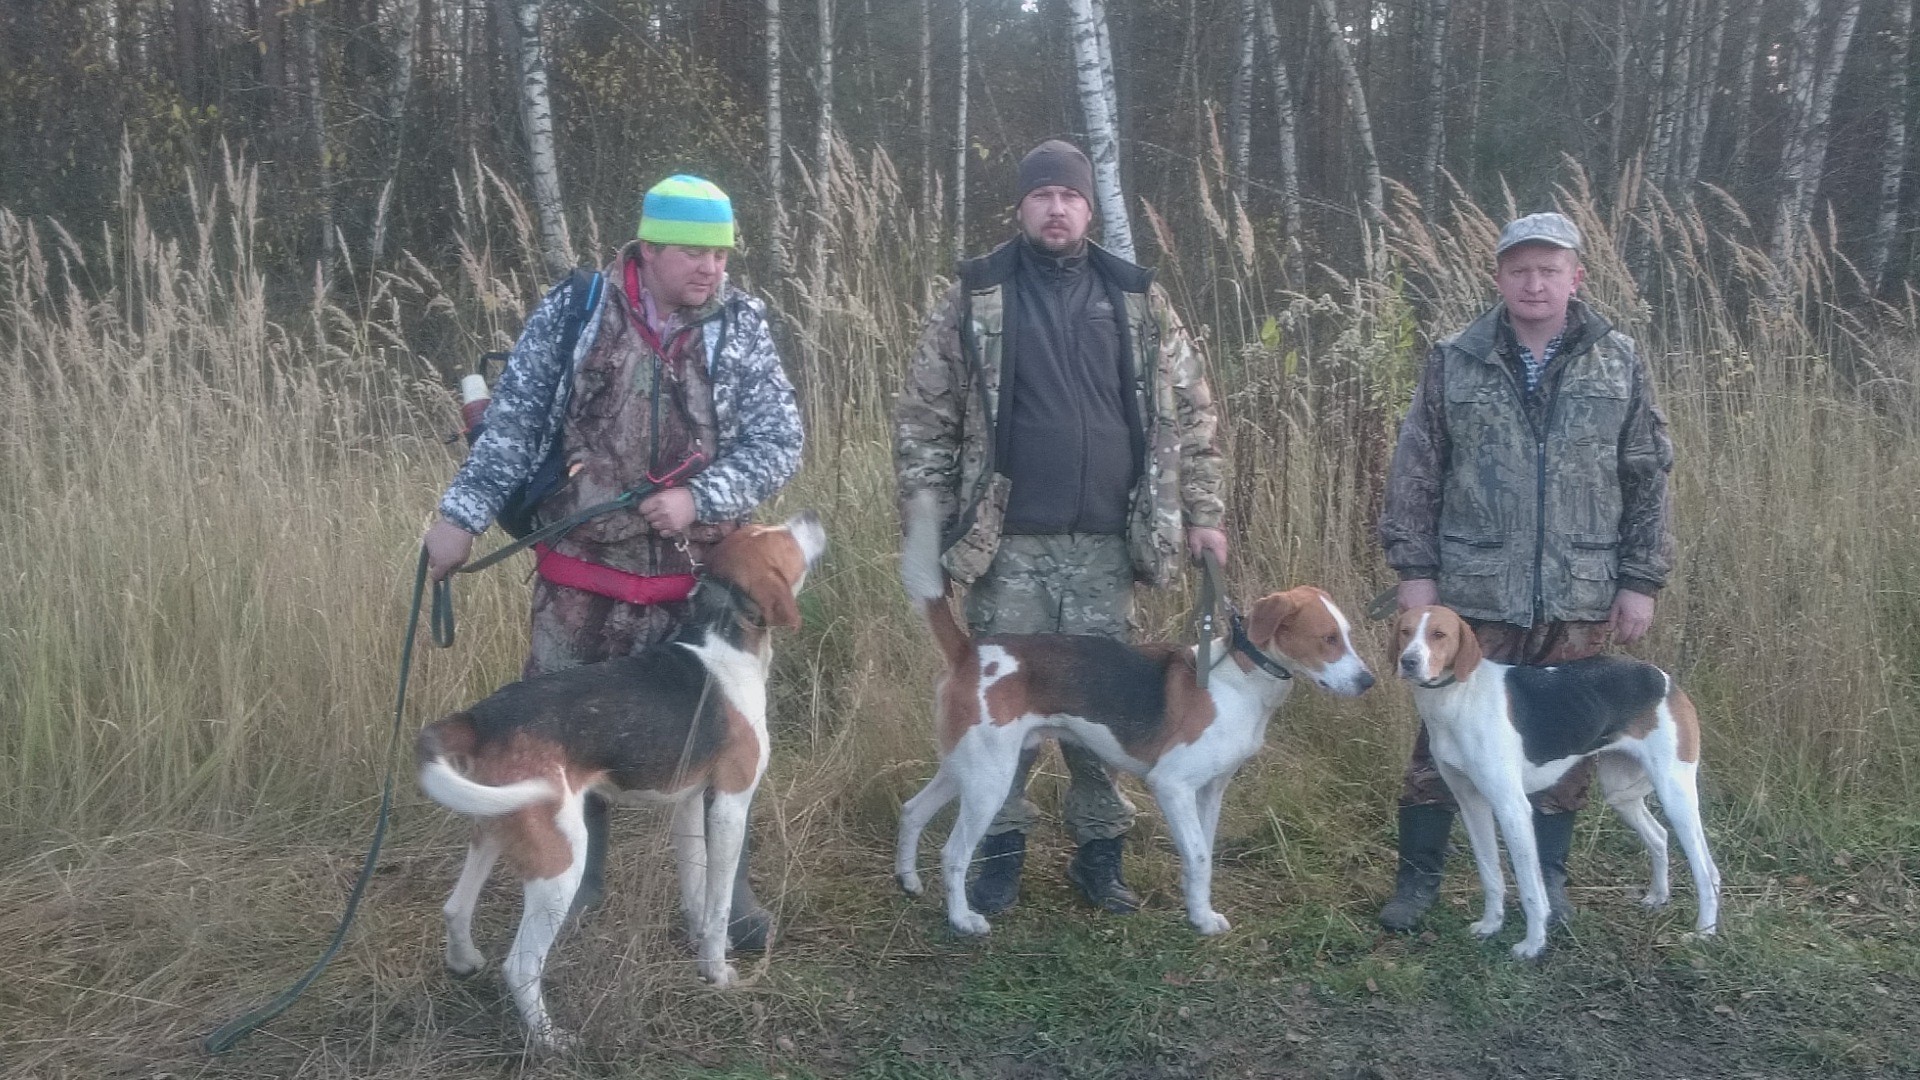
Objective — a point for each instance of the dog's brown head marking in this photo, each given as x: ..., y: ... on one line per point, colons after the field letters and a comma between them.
x: 768, y: 564
x: 1435, y: 642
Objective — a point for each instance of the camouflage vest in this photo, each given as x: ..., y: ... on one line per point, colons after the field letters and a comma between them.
x: 1155, y: 528
x: 1530, y: 517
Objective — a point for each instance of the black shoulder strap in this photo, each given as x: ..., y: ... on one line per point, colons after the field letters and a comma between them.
x: 584, y: 289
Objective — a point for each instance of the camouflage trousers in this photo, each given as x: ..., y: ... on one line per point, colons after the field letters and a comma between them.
x: 1066, y: 583
x: 571, y: 627
x: 1505, y: 643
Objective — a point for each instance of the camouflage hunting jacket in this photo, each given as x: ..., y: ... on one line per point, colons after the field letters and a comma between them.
x: 946, y: 414
x: 757, y: 422
x: 1523, y: 515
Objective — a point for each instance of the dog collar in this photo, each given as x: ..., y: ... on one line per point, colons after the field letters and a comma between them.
x: 1244, y: 645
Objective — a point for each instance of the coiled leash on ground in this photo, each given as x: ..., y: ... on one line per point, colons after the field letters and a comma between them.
x: 225, y: 1037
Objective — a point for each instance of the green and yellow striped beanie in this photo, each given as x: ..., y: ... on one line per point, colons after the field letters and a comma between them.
x: 688, y: 211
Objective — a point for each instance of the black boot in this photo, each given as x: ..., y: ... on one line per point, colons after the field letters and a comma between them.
x: 1095, y: 871
x: 750, y: 926
x: 1553, y: 835
x: 1423, y: 852
x: 593, y: 876
x: 997, y: 888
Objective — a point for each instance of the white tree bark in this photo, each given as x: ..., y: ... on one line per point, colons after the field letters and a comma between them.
x: 1617, y: 115
x: 406, y: 18
x: 1743, y: 93
x: 776, y: 144
x: 926, y: 110
x: 1096, y: 100
x: 1374, y: 191
x: 1803, y: 155
x: 1669, y: 61
x: 316, y: 125
x: 823, y: 133
x: 1288, y: 118
x: 536, y: 120
x: 1436, y: 31
x: 1701, y: 95
x: 1240, y: 105
x: 1893, y: 151
x: 960, y: 137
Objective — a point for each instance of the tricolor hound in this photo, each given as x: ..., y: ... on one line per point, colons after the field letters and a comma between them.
x: 679, y: 720
x: 1500, y: 731
x: 1139, y: 708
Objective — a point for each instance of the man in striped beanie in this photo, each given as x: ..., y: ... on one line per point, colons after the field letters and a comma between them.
x: 672, y: 370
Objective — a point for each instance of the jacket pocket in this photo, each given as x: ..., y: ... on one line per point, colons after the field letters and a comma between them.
x: 1593, y: 571
x: 1473, y: 574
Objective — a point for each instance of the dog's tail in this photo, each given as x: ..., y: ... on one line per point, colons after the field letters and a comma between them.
x: 448, y: 786
x: 926, y: 582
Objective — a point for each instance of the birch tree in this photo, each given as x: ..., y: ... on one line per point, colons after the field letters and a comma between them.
x: 776, y: 143
x: 960, y: 137
x: 1893, y: 149
x: 926, y: 109
x: 823, y: 133
x: 1287, y: 124
x: 406, y: 18
x: 1740, y: 120
x: 1097, y: 101
x: 1240, y: 104
x: 1705, y: 85
x: 1803, y: 155
x: 536, y: 122
x: 1436, y: 63
x: 314, y: 116
x: 1375, y: 192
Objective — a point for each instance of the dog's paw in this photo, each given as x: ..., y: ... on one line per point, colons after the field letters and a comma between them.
x: 465, y: 963
x: 553, y: 1039
x: 1653, y: 900
x: 1529, y: 949
x: 972, y: 924
x: 723, y: 976
x: 1487, y: 926
x: 1210, y: 923
x: 910, y: 883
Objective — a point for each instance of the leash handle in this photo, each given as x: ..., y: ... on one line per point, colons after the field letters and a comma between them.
x: 1204, y: 621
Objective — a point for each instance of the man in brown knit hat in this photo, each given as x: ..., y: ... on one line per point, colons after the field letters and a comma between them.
x: 1091, y: 466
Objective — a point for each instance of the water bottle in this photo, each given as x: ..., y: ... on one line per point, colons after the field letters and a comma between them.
x: 474, y: 399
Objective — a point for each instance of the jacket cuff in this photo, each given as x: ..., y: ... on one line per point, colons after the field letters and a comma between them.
x: 1640, y: 585
x: 1418, y: 573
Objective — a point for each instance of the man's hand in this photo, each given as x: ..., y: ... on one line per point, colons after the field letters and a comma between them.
x: 1418, y: 592
x: 1631, y: 617
x: 448, y: 545
x: 668, y: 512
x: 1201, y: 540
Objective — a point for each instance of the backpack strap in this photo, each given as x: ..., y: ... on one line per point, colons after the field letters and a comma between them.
x: 583, y: 292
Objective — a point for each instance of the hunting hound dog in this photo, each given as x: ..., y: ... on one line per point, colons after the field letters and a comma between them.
x: 683, y: 719
x: 1500, y: 731
x: 1139, y: 708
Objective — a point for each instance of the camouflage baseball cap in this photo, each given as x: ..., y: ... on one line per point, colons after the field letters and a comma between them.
x: 1547, y: 228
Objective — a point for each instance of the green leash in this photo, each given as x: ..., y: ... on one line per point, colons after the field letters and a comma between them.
x: 1209, y: 602
x: 230, y: 1033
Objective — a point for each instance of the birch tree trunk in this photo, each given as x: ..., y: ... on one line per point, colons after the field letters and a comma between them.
x: 1375, y: 194
x: 406, y: 17
x: 1240, y: 105
x: 1700, y: 104
x: 1803, y: 156
x: 823, y: 134
x: 926, y: 110
x: 315, y: 118
x: 776, y: 144
x: 1668, y: 63
x: 1741, y: 120
x: 1617, y: 116
x: 1097, y: 101
x: 1283, y: 109
x: 1436, y: 58
x: 536, y: 120
x: 960, y: 138
x: 1893, y: 150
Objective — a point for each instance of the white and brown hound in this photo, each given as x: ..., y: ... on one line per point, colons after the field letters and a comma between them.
x: 680, y: 720
x: 1139, y: 708
x: 1500, y: 731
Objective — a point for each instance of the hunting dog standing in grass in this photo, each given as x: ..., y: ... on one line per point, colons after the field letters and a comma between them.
x: 1140, y: 708
x: 1499, y: 732
x: 684, y: 722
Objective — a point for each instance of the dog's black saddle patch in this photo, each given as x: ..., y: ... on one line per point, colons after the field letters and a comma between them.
x: 1581, y: 706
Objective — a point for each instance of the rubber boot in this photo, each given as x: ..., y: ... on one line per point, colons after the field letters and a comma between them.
x: 1095, y: 871
x: 1423, y: 853
x: 593, y: 876
x: 997, y: 887
x: 1553, y: 835
x: 750, y: 926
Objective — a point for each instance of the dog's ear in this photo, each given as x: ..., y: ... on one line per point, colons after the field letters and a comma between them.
x: 777, y: 604
x: 1268, y: 613
x: 1467, y: 654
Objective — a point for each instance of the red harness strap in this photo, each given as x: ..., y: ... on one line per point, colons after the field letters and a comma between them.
x: 606, y: 581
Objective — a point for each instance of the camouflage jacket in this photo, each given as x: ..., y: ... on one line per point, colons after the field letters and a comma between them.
x: 1519, y: 518
x: 945, y: 417
x: 755, y: 416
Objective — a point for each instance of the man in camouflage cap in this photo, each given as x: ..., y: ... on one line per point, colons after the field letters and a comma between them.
x: 1528, y: 492
x: 1058, y: 411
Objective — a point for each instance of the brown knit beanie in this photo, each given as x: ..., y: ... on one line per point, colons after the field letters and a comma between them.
x: 1056, y: 161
